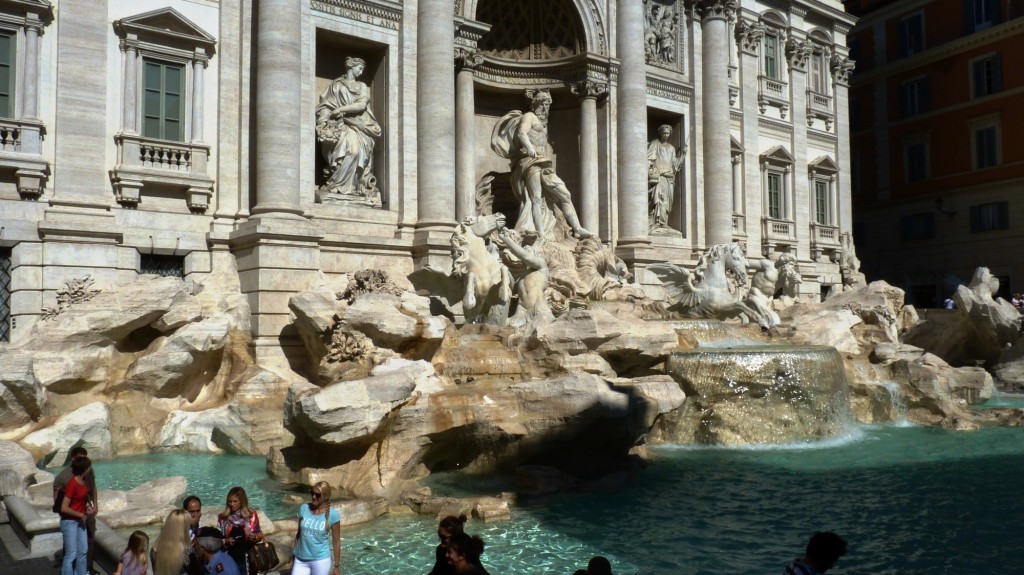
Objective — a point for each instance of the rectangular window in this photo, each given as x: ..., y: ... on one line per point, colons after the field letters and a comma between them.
x: 990, y: 216
x: 916, y: 157
x: 167, y: 266
x: 912, y: 34
x: 771, y: 57
x: 5, y: 294
x: 986, y: 147
x: 775, y: 196
x: 163, y: 103
x: 819, y: 75
x: 917, y: 227
x: 821, y: 202
x: 7, y: 44
x: 915, y: 97
x: 986, y: 76
x: 980, y: 14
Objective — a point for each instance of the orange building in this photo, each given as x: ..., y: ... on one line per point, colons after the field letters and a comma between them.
x: 937, y: 131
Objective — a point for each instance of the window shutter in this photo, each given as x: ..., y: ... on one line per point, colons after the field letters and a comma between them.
x: 997, y: 73
x: 925, y: 95
x: 968, y: 16
x: 978, y: 78
x: 992, y: 11
x: 6, y: 76
x: 905, y: 37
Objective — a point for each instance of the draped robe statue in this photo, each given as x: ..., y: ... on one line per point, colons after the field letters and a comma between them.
x: 663, y: 163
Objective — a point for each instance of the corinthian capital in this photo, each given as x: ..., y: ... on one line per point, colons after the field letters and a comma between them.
x: 467, y: 58
x: 589, y: 88
x: 798, y: 52
x: 711, y: 9
x: 749, y: 36
x: 842, y: 67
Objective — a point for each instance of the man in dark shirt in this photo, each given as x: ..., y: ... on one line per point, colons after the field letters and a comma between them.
x: 61, y: 482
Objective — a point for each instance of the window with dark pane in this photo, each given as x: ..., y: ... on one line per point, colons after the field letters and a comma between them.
x: 771, y: 57
x: 163, y: 104
x: 987, y: 76
x: 7, y: 44
x: 990, y: 216
x: 5, y: 294
x: 160, y: 265
x: 986, y: 151
x: 916, y: 161
x: 917, y: 227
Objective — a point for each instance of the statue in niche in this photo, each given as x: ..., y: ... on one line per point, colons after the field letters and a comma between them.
x: 663, y: 163
x: 522, y: 138
x: 346, y: 130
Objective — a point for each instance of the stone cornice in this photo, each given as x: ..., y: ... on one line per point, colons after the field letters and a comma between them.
x: 469, y: 32
x: 545, y: 73
x: 668, y: 89
x: 823, y: 137
x: 381, y: 13
x: 777, y: 125
x: 1006, y: 29
x: 700, y: 10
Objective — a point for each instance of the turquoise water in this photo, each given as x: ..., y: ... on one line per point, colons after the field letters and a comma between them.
x: 910, y: 501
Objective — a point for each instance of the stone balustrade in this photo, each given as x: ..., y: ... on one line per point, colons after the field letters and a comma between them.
x: 143, y: 161
x: 824, y: 238
x: 820, y: 106
x: 21, y: 151
x: 777, y: 233
x: 772, y: 92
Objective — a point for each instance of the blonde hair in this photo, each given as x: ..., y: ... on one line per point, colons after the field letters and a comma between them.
x: 138, y: 546
x: 171, y: 547
x: 243, y: 503
x: 325, y: 498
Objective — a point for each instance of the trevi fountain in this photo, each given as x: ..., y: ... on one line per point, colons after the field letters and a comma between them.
x: 705, y: 423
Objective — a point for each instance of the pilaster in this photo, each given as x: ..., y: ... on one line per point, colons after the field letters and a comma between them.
x: 589, y: 92
x: 798, y: 53
x: 749, y: 36
x: 435, y: 116
x: 631, y: 125
x: 842, y: 67
x: 466, y: 60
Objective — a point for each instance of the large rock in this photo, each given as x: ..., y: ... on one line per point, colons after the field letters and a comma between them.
x: 313, y: 315
x: 626, y: 344
x: 239, y: 427
x: 17, y: 469
x: 158, y: 492
x: 578, y: 422
x: 21, y: 395
x: 936, y: 393
x: 181, y: 363
x: 831, y: 327
x: 88, y: 426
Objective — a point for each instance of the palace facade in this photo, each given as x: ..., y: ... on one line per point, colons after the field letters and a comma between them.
x: 186, y: 137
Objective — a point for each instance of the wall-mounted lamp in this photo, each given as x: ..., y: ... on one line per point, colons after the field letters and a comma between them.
x: 938, y: 207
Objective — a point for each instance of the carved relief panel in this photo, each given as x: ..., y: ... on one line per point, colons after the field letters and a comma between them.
x: 661, y: 33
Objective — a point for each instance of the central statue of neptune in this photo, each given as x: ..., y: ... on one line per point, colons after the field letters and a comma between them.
x: 522, y: 138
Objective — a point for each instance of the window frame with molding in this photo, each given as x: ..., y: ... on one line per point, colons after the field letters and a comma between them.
x: 909, y: 142
x: 163, y: 36
x: 777, y: 162
x: 993, y: 123
x: 915, y: 96
x: 978, y: 78
x: 906, y: 47
x: 982, y: 221
x: 21, y: 129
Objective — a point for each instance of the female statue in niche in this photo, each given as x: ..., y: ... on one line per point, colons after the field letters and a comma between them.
x: 346, y: 129
x: 663, y: 163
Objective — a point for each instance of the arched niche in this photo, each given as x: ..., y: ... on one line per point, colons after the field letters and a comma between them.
x: 586, y: 14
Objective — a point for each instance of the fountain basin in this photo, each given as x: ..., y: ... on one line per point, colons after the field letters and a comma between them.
x: 757, y: 395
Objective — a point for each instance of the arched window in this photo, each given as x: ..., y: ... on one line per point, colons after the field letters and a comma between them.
x: 531, y: 29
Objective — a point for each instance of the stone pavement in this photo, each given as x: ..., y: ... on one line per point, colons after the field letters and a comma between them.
x: 14, y: 559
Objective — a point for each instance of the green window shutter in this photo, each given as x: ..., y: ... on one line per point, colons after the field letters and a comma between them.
x: 821, y: 202
x: 771, y: 59
x: 7, y: 74
x: 163, y: 104
x: 775, y: 196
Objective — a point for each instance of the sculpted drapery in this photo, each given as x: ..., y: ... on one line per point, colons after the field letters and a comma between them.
x: 663, y: 163
x: 346, y: 130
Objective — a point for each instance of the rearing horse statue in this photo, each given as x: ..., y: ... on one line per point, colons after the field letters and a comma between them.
x: 706, y: 292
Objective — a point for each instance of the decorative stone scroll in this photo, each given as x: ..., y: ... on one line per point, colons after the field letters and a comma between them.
x: 749, y: 36
x: 842, y: 67
x: 661, y: 21
x: 590, y: 88
x: 711, y: 9
x: 467, y: 59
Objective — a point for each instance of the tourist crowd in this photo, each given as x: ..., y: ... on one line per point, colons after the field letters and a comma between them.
x: 236, y: 546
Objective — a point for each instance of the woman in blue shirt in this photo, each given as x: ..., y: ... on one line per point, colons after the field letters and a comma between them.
x: 318, y: 540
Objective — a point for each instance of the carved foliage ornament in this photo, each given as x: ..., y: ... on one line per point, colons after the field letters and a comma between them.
x: 842, y: 67
x: 749, y: 35
x: 590, y: 89
x: 710, y: 9
x: 468, y: 59
x: 799, y: 52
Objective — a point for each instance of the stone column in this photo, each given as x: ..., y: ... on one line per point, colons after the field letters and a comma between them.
x: 130, y: 103
x: 798, y: 197
x: 714, y: 16
x: 842, y: 67
x: 590, y: 205
x: 279, y: 69
x: 631, y: 123
x: 198, y: 65
x: 465, y: 135
x: 749, y: 36
x: 435, y: 114
x: 31, y: 101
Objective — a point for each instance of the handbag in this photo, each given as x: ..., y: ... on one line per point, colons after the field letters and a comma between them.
x: 262, y: 556
x: 58, y: 500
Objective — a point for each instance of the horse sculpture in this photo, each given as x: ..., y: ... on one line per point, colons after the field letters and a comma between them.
x: 478, y: 279
x: 706, y: 292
